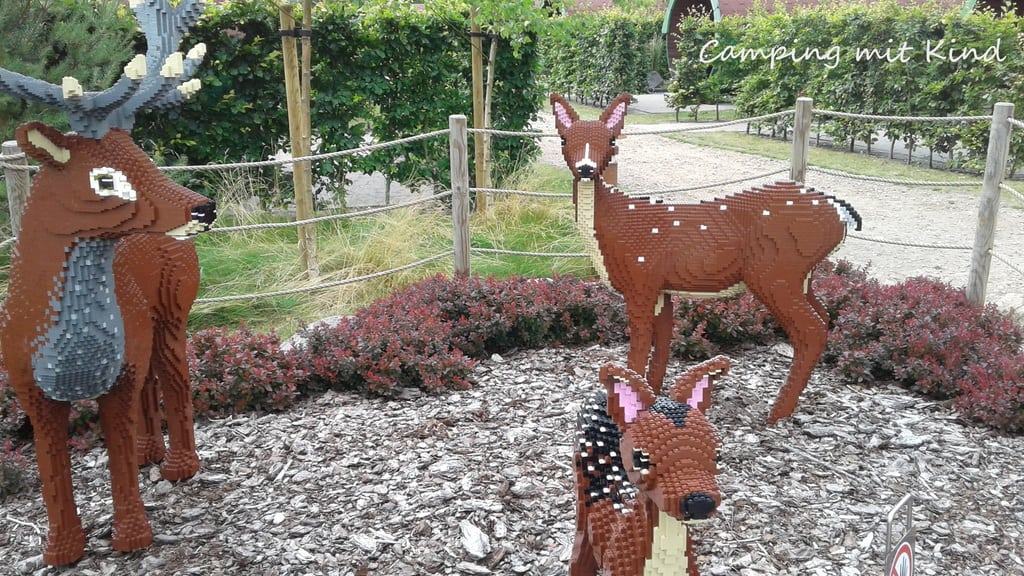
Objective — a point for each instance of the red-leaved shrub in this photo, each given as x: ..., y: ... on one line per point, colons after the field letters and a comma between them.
x: 920, y: 332
x: 240, y: 371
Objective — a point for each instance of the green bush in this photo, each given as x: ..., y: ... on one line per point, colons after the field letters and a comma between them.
x: 382, y: 68
x: 594, y: 56
x: 864, y: 59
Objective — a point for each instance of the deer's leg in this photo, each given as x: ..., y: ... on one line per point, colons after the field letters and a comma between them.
x: 171, y: 364
x: 150, y: 438
x: 662, y: 343
x: 583, y: 561
x: 807, y: 333
x: 818, y: 306
x: 118, y: 410
x: 65, y: 542
x: 640, y: 313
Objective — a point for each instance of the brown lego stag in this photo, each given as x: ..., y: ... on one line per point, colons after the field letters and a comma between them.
x: 102, y: 280
x: 767, y: 240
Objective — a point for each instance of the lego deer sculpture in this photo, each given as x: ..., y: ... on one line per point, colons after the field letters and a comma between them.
x: 102, y: 282
x: 645, y: 471
x: 766, y: 240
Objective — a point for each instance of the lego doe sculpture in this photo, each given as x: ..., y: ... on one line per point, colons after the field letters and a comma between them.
x: 767, y: 240
x: 645, y: 470
x: 101, y: 282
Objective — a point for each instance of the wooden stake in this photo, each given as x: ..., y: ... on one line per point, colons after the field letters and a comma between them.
x: 995, y: 168
x: 18, y: 183
x: 480, y: 165
x: 300, y: 170
x: 457, y: 143
x: 801, y: 139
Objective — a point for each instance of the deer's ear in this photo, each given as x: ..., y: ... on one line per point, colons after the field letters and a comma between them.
x: 628, y: 393
x: 565, y: 116
x: 695, y: 385
x: 43, y: 143
x: 614, y: 116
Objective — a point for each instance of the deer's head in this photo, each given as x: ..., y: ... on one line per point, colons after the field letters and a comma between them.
x: 669, y: 449
x: 107, y: 187
x: 589, y: 146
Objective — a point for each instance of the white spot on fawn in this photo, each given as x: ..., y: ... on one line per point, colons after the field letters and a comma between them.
x: 632, y: 206
x: 703, y: 227
x: 766, y: 213
x: 654, y: 230
x: 723, y: 207
x: 671, y: 208
x: 639, y: 258
x: 675, y: 222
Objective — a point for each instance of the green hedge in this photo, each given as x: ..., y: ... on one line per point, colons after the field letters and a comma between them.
x: 382, y: 68
x: 824, y: 53
x: 594, y: 56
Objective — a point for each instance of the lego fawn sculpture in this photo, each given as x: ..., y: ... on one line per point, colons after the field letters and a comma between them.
x: 645, y: 470
x: 766, y: 240
x: 102, y: 282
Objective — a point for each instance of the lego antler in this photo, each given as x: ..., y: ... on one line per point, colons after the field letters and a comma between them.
x: 158, y: 79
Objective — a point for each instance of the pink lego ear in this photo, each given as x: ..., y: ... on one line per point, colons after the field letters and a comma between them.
x: 614, y: 116
x: 565, y: 116
x: 562, y: 117
x: 628, y: 393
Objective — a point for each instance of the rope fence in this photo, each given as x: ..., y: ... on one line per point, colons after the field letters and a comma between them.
x: 16, y: 167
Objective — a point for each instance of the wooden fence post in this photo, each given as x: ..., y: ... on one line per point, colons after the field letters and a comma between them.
x: 995, y: 169
x: 457, y: 141
x: 801, y: 139
x: 18, y: 182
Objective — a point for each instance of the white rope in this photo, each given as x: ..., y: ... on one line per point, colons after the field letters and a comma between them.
x: 8, y: 242
x: 1014, y: 193
x: 725, y: 183
x: 891, y: 180
x: 271, y: 225
x: 16, y: 167
x: 637, y: 131
x: 1004, y: 261
x: 910, y: 244
x: 520, y: 193
x: 536, y: 254
x: 325, y: 156
x: 1016, y: 122
x: 902, y: 118
x: 326, y: 284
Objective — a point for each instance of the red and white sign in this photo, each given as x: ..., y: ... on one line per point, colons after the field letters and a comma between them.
x: 903, y: 560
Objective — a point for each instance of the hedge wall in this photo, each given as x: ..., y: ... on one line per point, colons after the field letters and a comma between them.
x: 382, y: 68
x: 594, y: 56
x: 880, y: 59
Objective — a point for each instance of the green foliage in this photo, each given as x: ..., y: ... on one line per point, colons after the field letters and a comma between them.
x: 49, y: 39
x: 383, y: 68
x: 881, y: 59
x: 594, y: 56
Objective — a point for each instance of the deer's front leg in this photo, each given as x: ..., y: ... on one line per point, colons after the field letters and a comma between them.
x: 662, y: 342
x: 118, y: 409
x: 182, y: 461
x: 65, y: 542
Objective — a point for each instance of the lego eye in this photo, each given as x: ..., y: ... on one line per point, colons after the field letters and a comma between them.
x: 563, y: 140
x: 104, y: 182
x: 641, y: 461
x: 612, y: 143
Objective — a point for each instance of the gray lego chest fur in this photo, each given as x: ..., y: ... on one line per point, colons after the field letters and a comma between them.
x: 82, y: 354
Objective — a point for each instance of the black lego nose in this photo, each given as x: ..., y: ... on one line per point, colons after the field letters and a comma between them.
x: 697, y: 506
x: 586, y: 171
x: 206, y: 213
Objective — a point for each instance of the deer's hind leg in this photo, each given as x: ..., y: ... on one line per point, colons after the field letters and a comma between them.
x: 641, y: 313
x: 150, y: 437
x: 662, y: 343
x: 804, y: 326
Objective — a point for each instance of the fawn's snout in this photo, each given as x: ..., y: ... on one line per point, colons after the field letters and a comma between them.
x: 697, y: 506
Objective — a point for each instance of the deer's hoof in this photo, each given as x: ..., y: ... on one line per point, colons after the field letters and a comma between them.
x: 149, y: 450
x: 132, y: 535
x: 65, y: 547
x: 180, y: 466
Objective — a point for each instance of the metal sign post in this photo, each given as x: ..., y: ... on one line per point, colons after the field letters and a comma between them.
x: 901, y: 556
